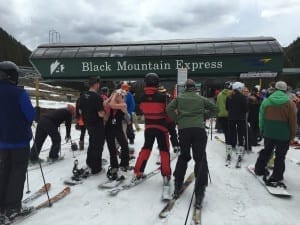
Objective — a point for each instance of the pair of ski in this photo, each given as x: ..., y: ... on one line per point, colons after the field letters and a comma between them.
x: 48, y: 162
x: 229, y: 156
x: 196, y: 219
x: 238, y: 161
x: 115, y: 186
x: 29, y: 200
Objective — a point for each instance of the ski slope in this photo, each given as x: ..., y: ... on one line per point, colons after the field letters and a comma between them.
x: 234, y: 196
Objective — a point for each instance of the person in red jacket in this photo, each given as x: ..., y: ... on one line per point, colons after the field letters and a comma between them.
x: 152, y: 105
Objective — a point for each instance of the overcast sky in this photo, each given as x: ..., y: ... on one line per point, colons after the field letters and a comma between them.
x: 85, y: 21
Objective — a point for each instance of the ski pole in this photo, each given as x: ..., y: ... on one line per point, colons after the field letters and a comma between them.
x: 211, y: 129
x: 247, y: 134
x: 190, y: 205
x: 196, y: 181
x: 35, y: 149
x: 28, y: 191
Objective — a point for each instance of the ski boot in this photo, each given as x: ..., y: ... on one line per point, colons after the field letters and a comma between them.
x: 199, y: 197
x: 81, y: 145
x: 4, y: 220
x: 177, y: 189
x: 166, y: 194
x: 112, y: 173
x: 11, y: 214
x: 228, y: 154
x: 78, y: 174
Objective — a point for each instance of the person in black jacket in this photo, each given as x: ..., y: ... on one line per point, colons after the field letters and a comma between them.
x: 114, y: 131
x: 91, y: 107
x: 16, y: 117
x: 48, y: 125
x: 236, y: 105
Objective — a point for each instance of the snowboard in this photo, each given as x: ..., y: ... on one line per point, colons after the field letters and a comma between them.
x: 112, y: 183
x: 79, y: 175
x: 276, y: 191
x: 169, y: 206
x: 37, y: 194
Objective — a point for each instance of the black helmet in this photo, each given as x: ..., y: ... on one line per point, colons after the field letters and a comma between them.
x: 151, y: 80
x: 104, y: 89
x: 9, y: 71
x: 228, y: 85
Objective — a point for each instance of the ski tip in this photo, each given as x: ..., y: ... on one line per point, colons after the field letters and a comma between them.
x: 67, y: 189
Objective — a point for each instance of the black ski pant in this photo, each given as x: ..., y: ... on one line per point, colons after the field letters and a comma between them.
x: 112, y: 133
x: 44, y: 128
x: 223, y: 122
x: 196, y: 139
x: 82, y: 132
x: 130, y: 133
x: 281, y: 148
x: 13, y: 167
x: 95, y: 148
x: 237, y: 132
x: 173, y: 134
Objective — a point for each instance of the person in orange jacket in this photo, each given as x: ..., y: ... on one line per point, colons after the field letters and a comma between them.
x: 80, y: 126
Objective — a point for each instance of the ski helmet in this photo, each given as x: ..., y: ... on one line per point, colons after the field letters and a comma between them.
x: 9, y: 71
x: 228, y: 85
x: 151, y: 80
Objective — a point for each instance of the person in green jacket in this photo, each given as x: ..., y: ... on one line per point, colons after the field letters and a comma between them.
x: 188, y: 110
x: 278, y: 124
x: 222, y: 116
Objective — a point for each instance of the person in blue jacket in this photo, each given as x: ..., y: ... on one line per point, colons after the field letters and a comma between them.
x: 16, y: 117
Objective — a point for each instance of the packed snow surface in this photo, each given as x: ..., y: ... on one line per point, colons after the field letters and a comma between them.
x: 233, y: 197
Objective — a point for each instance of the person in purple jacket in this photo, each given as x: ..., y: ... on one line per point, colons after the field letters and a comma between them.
x: 16, y: 117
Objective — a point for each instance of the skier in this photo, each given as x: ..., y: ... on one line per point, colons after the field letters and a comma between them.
x: 171, y: 124
x: 236, y: 105
x: 16, y: 117
x: 254, y: 104
x: 114, y: 131
x: 278, y: 124
x: 80, y: 125
x: 91, y: 106
x: 48, y: 125
x: 153, y: 106
x: 187, y: 110
x: 130, y: 102
x: 223, y: 113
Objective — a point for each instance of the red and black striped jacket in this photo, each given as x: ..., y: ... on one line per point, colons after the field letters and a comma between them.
x: 153, y: 105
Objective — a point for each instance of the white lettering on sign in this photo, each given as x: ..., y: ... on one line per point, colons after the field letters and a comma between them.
x: 125, y: 66
x: 148, y: 66
x: 90, y: 67
x: 194, y: 66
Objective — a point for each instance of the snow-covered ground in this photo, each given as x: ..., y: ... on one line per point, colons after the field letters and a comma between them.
x: 234, y: 196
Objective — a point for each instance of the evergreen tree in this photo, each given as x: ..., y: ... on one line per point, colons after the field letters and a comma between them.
x: 12, y: 50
